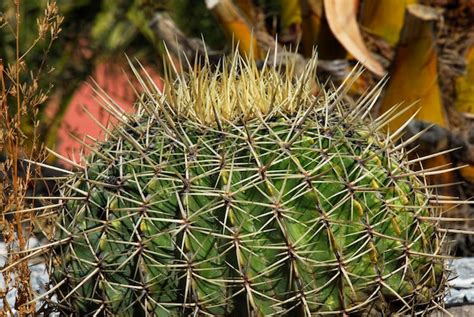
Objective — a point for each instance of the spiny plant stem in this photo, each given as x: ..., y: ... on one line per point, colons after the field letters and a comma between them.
x: 237, y: 191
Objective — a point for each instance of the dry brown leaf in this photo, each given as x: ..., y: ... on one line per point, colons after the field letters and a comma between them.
x: 311, y: 13
x: 414, y: 79
x: 342, y: 19
x: 465, y: 86
x: 235, y: 26
x: 290, y: 13
x: 248, y: 8
x: 414, y: 75
x: 464, y: 102
x: 384, y: 18
x: 424, y: 12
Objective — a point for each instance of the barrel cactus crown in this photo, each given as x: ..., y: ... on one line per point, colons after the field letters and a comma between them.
x: 237, y: 192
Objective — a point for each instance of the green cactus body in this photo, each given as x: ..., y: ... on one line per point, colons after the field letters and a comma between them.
x: 248, y: 201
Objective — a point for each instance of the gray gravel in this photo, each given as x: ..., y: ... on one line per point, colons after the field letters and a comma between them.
x: 39, y: 275
x: 462, y: 287
x: 461, y: 293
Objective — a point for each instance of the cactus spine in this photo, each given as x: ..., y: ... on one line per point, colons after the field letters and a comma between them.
x: 236, y: 192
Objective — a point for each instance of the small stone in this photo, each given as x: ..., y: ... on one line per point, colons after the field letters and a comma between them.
x: 462, y: 286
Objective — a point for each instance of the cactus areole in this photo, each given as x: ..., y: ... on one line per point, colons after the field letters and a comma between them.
x: 237, y: 192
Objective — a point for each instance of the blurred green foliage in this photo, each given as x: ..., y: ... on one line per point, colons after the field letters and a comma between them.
x: 92, y: 31
x: 196, y: 20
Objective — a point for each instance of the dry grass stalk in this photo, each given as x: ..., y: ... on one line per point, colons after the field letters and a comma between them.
x: 21, y: 96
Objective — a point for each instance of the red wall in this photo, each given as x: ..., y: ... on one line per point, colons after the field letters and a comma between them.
x: 112, y: 79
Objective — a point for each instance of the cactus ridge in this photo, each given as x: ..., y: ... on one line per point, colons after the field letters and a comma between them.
x: 236, y: 192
